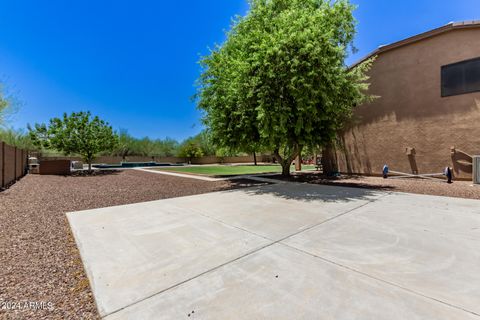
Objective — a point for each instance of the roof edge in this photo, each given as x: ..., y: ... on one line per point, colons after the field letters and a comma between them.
x: 425, y: 35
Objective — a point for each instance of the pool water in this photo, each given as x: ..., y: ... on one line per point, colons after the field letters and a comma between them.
x: 133, y: 165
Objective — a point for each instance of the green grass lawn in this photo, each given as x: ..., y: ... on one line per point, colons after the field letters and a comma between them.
x: 230, y: 170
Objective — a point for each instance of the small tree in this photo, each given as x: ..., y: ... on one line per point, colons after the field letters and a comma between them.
x: 189, y: 149
x: 77, y: 133
x: 3, y: 109
x: 204, y: 141
x: 17, y: 138
x: 125, y: 144
x: 280, y: 80
x: 8, y: 106
x: 169, y: 147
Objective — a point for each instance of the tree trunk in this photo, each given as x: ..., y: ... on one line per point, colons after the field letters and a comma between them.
x: 285, y: 169
x: 254, y: 157
x: 285, y: 163
x: 90, y: 167
x: 298, y: 162
x: 329, y: 161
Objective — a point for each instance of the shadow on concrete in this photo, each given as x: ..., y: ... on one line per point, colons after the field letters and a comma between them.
x: 317, y: 191
x: 245, y: 183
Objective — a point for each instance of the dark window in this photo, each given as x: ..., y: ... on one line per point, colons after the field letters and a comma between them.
x: 462, y: 77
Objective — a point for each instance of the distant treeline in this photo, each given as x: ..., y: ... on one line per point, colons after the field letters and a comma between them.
x: 196, y: 146
x: 17, y: 138
x: 199, y: 145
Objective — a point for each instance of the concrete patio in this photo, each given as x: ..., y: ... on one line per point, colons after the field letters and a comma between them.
x: 285, y: 251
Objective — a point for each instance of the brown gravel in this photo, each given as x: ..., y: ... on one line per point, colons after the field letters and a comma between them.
x: 38, y: 256
x: 458, y: 189
x: 39, y: 261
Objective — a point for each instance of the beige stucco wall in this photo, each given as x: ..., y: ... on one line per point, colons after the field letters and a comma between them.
x: 410, y: 112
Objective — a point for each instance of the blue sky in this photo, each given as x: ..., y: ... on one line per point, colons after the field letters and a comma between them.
x: 134, y: 63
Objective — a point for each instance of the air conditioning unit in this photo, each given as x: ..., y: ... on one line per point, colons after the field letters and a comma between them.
x: 476, y: 169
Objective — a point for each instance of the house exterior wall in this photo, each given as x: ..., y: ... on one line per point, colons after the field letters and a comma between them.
x: 410, y: 126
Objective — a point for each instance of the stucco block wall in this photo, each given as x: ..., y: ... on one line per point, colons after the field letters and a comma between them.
x: 25, y: 161
x: 9, y: 164
x: 410, y: 112
x: 13, y: 163
x: 1, y: 163
x: 55, y: 167
x: 19, y: 169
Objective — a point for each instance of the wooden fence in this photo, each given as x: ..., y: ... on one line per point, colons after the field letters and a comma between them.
x: 13, y: 164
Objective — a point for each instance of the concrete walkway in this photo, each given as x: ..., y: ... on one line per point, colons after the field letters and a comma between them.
x: 262, y: 177
x: 285, y: 251
x: 180, y: 175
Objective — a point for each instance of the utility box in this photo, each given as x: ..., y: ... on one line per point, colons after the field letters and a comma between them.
x: 33, y: 165
x: 77, y: 165
x: 476, y: 169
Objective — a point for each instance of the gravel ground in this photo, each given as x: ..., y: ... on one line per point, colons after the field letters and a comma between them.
x: 458, y: 189
x: 38, y: 256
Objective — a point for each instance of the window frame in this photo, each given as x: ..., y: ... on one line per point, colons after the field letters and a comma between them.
x: 442, y: 78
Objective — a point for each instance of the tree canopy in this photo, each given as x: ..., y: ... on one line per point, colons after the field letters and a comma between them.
x: 77, y: 133
x: 280, y: 80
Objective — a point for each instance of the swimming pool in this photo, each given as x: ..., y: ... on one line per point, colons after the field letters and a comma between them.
x: 134, y: 165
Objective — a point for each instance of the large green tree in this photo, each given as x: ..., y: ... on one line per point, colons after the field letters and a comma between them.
x: 77, y: 133
x: 280, y: 80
